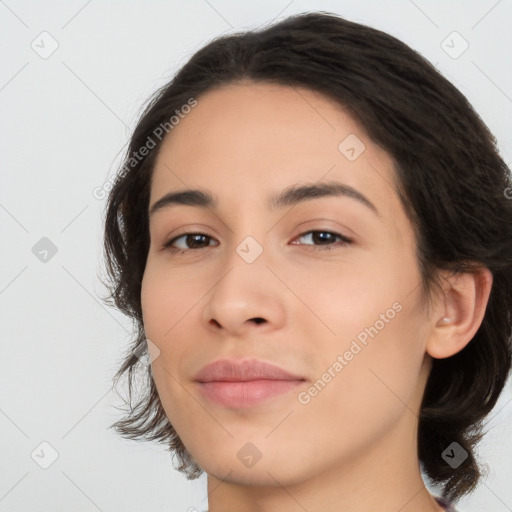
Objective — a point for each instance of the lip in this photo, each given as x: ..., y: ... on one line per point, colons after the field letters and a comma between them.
x: 244, y: 383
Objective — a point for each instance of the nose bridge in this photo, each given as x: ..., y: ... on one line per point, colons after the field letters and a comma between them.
x: 250, y: 249
x: 248, y: 239
x: 249, y: 245
x: 246, y: 263
x: 245, y: 289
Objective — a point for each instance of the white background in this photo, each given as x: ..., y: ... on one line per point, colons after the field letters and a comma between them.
x: 64, y: 121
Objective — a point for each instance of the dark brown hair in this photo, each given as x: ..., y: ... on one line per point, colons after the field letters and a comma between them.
x: 454, y: 186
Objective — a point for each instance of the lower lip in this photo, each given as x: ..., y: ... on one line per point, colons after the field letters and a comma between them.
x: 246, y: 394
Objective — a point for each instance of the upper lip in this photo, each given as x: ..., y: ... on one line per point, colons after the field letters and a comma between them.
x: 242, y: 370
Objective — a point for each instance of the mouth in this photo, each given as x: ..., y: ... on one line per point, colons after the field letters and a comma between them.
x: 244, y: 383
x: 245, y: 394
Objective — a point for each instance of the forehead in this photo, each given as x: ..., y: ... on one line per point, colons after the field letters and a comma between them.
x: 254, y: 119
x: 253, y: 139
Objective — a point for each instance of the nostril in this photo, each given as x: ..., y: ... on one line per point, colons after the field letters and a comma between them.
x: 258, y: 320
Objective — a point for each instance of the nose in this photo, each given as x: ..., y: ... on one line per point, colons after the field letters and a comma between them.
x: 247, y: 296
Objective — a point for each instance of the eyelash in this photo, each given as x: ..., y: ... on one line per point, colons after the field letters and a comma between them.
x: 173, y: 250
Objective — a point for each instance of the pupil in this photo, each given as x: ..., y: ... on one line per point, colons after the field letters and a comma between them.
x: 194, y: 238
x: 323, y: 238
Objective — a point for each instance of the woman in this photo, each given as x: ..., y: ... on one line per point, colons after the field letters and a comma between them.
x: 312, y: 229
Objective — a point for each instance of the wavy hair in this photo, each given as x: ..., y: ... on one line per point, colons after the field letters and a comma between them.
x: 453, y: 184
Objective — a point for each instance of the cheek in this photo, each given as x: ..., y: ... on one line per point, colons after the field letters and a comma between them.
x: 148, y: 294
x: 165, y: 299
x: 348, y: 304
x: 168, y: 303
x: 375, y: 350
x: 373, y: 385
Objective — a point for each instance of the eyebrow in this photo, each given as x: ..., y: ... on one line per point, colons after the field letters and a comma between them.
x: 289, y: 196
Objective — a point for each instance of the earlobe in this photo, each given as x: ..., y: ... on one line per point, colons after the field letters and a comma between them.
x: 462, y: 310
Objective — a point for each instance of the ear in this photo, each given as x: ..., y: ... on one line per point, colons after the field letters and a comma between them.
x: 460, y: 312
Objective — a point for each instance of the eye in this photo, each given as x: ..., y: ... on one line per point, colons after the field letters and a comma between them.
x: 325, y: 238
x: 190, y: 238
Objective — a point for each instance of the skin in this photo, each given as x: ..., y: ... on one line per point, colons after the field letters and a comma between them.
x: 353, y: 446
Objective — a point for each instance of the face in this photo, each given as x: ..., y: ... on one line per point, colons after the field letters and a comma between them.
x: 324, y: 285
